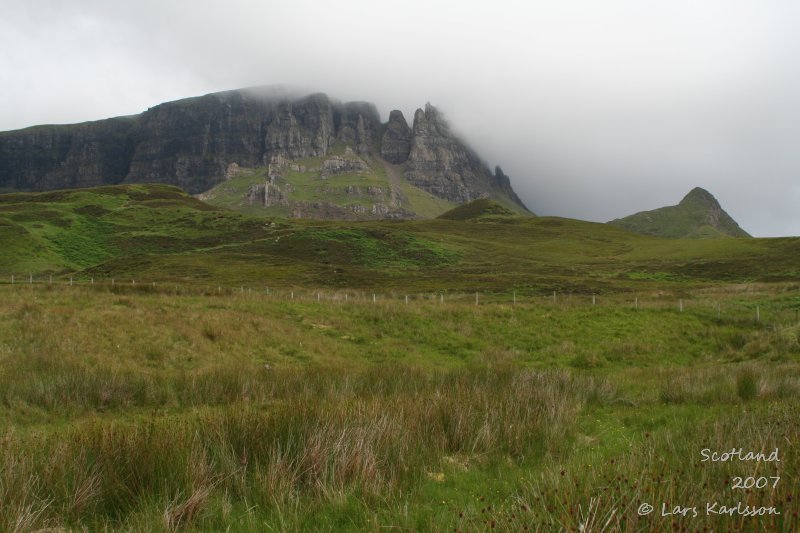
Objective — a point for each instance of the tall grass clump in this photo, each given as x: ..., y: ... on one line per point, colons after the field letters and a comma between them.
x: 747, y: 384
x: 372, y: 433
x: 729, y: 385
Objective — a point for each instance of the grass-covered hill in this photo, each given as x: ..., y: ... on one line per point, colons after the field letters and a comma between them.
x: 159, y: 233
x: 483, y: 207
x: 698, y: 215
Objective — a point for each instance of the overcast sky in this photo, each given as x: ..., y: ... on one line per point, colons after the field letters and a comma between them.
x: 595, y: 109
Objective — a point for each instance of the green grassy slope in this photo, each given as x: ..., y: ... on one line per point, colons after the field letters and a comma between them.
x: 304, y: 189
x: 70, y: 230
x: 697, y: 216
x: 476, y: 209
x: 157, y: 232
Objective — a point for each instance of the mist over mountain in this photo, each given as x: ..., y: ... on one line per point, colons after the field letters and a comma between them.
x: 199, y: 143
x: 596, y: 112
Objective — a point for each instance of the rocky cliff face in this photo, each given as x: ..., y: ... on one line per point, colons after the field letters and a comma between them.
x: 442, y: 165
x: 190, y: 143
x: 80, y: 155
x: 193, y: 144
x: 396, y: 140
x: 357, y: 124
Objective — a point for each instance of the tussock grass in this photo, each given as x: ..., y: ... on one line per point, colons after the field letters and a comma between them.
x: 665, y: 469
x: 731, y: 385
x: 146, y: 410
x: 372, y: 433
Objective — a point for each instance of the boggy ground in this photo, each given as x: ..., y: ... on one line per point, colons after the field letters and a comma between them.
x: 139, y: 408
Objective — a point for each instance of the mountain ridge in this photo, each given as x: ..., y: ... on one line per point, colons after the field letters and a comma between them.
x: 194, y: 143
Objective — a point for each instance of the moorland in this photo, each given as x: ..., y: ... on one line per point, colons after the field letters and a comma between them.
x: 170, y: 365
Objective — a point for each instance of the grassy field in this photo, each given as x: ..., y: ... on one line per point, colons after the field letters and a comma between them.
x: 149, y: 408
x: 193, y: 368
x: 307, y: 186
x: 158, y: 233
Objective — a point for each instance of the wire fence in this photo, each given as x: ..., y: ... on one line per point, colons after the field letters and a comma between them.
x: 755, y: 306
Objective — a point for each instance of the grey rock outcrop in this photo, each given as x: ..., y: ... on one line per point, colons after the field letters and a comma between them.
x: 60, y: 157
x: 190, y: 143
x: 340, y: 165
x: 441, y: 164
x: 357, y: 125
x: 266, y: 195
x: 396, y: 140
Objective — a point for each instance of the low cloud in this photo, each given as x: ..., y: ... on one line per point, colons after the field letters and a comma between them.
x: 595, y: 110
